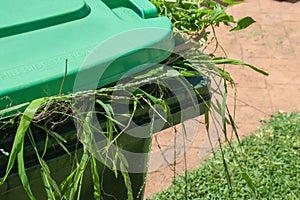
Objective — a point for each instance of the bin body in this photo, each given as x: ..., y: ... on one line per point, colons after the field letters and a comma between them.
x: 112, y: 187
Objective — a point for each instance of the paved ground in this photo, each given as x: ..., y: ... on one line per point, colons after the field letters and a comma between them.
x: 272, y: 44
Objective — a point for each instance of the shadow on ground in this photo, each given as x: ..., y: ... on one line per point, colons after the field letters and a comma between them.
x: 290, y: 1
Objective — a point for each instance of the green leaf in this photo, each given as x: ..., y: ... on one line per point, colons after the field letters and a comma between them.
x: 234, y: 127
x: 219, y: 61
x: 96, y: 179
x: 217, y: 13
x: 243, y: 23
x: 75, y: 188
x: 223, y: 111
x: 20, y: 134
x: 22, y: 173
x: 127, y: 181
x: 152, y: 98
x: 49, y: 183
x: 59, y: 139
x: 110, y: 116
x: 224, y: 18
x: 67, y: 182
x: 248, y: 180
x: 226, y: 75
x: 13, y: 108
x: 232, y: 2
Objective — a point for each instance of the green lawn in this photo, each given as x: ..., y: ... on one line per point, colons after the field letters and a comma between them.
x: 271, y: 158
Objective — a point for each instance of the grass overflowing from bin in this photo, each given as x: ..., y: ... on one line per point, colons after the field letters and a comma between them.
x: 48, y: 113
x: 271, y: 157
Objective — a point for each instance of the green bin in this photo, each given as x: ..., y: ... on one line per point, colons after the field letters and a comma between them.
x: 46, y: 43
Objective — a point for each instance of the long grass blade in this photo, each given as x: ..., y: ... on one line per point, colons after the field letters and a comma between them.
x: 22, y: 173
x: 49, y: 183
x: 96, y: 179
x: 58, y: 138
x: 18, y: 145
x: 127, y: 181
x: 13, y: 108
x: 223, y: 111
x: 67, y: 182
x: 20, y: 134
x: 79, y: 174
x: 249, y: 181
x: 233, y: 125
x: 237, y: 62
x: 49, y: 192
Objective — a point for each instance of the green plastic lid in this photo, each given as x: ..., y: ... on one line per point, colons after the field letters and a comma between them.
x: 102, y: 41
